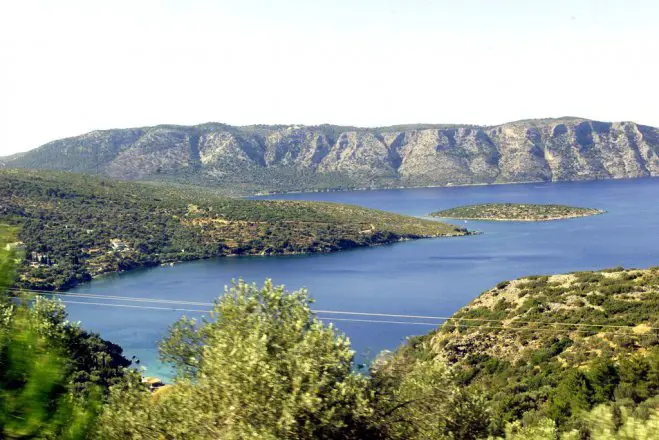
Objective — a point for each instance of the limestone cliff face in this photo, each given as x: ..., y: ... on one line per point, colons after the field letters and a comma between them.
x: 256, y: 158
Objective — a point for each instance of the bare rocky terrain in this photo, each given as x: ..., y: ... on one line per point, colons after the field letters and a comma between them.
x: 259, y: 158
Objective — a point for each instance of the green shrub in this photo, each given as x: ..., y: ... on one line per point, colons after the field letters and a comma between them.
x: 261, y: 367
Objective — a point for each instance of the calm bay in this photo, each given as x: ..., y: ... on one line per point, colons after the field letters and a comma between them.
x: 422, y: 277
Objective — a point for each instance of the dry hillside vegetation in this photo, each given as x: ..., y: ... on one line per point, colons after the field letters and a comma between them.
x: 552, y: 345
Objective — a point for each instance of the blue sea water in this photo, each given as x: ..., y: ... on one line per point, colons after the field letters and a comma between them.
x: 423, y: 277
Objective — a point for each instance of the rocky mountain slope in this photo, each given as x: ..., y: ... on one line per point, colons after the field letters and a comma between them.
x: 284, y: 158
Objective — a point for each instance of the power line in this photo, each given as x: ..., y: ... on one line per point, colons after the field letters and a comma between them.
x: 126, y: 298
x: 451, y: 318
x: 485, y: 326
x: 332, y: 312
x: 379, y: 321
x: 135, y: 307
x: 432, y: 324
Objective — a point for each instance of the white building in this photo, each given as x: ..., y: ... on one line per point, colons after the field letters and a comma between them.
x: 118, y: 245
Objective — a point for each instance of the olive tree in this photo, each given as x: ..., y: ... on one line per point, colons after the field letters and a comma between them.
x: 261, y: 366
x: 418, y: 399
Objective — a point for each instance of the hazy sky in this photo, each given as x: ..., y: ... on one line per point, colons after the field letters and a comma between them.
x: 68, y: 67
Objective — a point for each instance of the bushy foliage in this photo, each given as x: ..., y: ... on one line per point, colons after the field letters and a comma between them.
x: 54, y: 376
x: 542, y: 370
x: 36, y: 401
x: 422, y: 401
x: 605, y: 422
x: 93, y: 363
x: 261, y: 367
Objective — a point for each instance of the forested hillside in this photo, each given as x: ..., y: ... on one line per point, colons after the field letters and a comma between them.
x: 262, y: 158
x: 73, y: 227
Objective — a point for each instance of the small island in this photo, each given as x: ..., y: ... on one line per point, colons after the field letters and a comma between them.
x: 516, y: 212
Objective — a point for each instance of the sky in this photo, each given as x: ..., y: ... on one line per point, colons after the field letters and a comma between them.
x: 68, y: 67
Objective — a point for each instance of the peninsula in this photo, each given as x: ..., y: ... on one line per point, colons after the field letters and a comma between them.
x: 73, y: 227
x: 516, y: 212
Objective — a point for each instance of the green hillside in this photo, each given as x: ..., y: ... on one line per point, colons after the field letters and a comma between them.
x: 551, y: 347
x: 74, y: 227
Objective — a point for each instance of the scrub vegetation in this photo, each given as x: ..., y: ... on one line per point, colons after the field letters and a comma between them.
x: 516, y: 212
x: 544, y: 351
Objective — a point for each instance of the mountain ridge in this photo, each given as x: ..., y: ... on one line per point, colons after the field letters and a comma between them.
x: 258, y: 158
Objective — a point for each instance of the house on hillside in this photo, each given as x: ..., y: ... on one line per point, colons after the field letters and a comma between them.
x: 118, y: 245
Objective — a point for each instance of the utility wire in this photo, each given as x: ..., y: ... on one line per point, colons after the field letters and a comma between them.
x: 331, y: 312
x: 121, y: 298
x: 432, y: 324
x: 130, y: 306
x: 484, y: 326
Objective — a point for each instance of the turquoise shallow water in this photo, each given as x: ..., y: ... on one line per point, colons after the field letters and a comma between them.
x: 423, y: 277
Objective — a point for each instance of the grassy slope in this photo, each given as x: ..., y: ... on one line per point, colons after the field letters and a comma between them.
x: 70, y: 220
x: 515, y: 212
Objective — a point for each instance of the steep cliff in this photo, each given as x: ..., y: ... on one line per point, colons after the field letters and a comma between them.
x: 284, y: 158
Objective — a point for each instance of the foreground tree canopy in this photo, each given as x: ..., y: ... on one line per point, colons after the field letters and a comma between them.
x: 264, y: 367
x: 261, y: 367
x: 54, y: 376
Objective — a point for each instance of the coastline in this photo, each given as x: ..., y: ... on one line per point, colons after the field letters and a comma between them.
x: 171, y: 263
x: 449, y: 185
x: 378, y: 188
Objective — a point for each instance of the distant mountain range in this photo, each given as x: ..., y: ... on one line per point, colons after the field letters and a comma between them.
x: 262, y: 158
